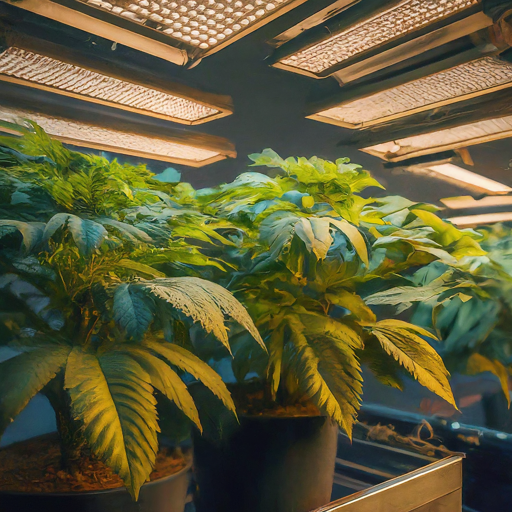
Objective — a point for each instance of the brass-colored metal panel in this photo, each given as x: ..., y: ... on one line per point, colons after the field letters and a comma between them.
x: 450, y: 503
x: 413, y: 492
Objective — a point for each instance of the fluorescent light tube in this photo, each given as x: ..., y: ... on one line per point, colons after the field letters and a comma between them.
x: 466, y: 202
x: 484, y: 218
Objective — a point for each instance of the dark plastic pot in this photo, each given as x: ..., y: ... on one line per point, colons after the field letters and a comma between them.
x: 167, y: 494
x: 269, y: 464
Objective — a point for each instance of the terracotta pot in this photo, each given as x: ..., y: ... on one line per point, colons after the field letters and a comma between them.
x: 268, y: 464
x: 167, y: 494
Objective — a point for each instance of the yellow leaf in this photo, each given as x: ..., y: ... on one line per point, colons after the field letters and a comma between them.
x: 478, y: 363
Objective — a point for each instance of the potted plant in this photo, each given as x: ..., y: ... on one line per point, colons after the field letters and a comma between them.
x: 310, y: 248
x: 468, y: 304
x: 97, y: 287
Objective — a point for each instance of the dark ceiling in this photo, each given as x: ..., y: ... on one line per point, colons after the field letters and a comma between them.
x: 269, y: 106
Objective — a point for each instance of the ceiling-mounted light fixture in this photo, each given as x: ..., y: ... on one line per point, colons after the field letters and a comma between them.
x: 443, y: 140
x: 177, y: 31
x: 43, y: 65
x: 355, y: 43
x: 467, y: 221
x: 191, y: 149
x: 458, y: 174
x: 442, y: 83
x: 467, y: 202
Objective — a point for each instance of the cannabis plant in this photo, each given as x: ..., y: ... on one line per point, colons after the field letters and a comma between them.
x: 469, y: 305
x: 312, y: 247
x: 97, y: 288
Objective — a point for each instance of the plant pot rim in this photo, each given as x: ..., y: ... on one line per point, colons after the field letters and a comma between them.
x: 180, y: 473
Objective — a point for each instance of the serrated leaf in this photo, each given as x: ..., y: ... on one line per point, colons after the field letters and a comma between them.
x: 190, y: 363
x: 113, y: 398
x: 132, y: 311
x: 329, y: 377
x: 416, y: 356
x: 202, y: 301
x: 24, y: 375
x: 167, y: 382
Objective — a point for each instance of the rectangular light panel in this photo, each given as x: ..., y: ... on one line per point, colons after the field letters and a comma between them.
x: 98, y: 137
x: 468, y: 80
x: 443, y: 140
x: 466, y: 202
x: 454, y: 172
x: 484, y: 218
x: 400, y: 20
x: 205, y: 24
x: 30, y: 68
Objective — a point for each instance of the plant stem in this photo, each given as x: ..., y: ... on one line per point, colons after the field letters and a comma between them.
x: 70, y: 433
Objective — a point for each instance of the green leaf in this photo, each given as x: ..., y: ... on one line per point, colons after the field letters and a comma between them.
x: 329, y: 377
x: 190, y: 363
x: 399, y: 340
x: 202, y: 301
x: 87, y: 234
x: 315, y: 233
x: 32, y: 232
x: 131, y: 233
x: 132, y: 311
x: 25, y: 375
x: 167, y: 382
x: 112, y: 395
x: 353, y: 302
x: 477, y: 363
x: 140, y: 268
x: 355, y: 237
x: 275, y: 349
x: 308, y: 201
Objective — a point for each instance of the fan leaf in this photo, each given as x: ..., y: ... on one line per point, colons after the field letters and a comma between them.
x: 112, y: 395
x: 25, y: 375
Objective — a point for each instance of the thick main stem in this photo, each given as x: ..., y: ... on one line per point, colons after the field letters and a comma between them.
x: 69, y: 430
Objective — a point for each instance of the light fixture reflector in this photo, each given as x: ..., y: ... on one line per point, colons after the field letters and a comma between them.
x: 466, y: 202
x: 84, y: 134
x: 475, y: 78
x: 400, y: 20
x: 443, y: 140
x: 483, y: 218
x: 24, y: 66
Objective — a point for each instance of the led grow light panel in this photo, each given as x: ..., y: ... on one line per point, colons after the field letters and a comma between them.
x: 484, y: 218
x: 98, y: 137
x: 443, y: 140
x: 31, y: 68
x: 400, y: 20
x: 466, y: 202
x: 457, y: 173
x: 468, y: 80
x: 205, y: 24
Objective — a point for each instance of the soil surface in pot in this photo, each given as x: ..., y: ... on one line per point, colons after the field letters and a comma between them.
x: 255, y: 404
x: 34, y: 466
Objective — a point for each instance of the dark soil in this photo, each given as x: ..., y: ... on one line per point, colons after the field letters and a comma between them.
x: 34, y: 466
x: 255, y: 404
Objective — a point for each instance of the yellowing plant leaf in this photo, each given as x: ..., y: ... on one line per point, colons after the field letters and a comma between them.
x: 401, y: 341
x: 112, y: 395
x: 478, y: 363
